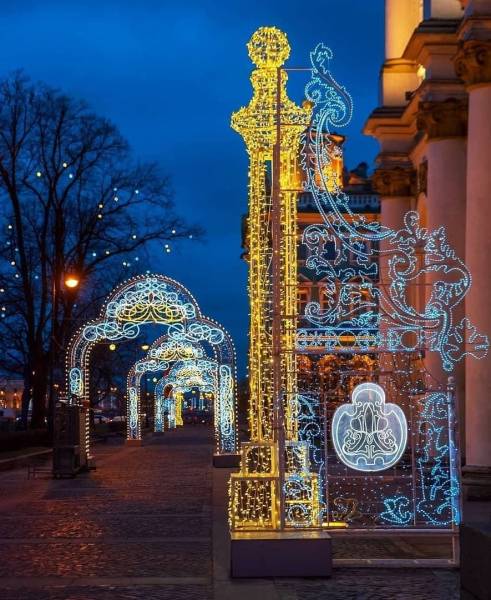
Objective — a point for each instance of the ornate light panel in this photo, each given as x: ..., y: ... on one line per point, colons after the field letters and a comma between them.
x: 369, y: 434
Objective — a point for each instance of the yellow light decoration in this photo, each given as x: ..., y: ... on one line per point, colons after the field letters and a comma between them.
x: 260, y: 124
x: 271, y: 126
x: 179, y: 397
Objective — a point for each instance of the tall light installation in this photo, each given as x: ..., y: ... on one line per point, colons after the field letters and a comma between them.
x: 271, y: 126
x: 387, y: 457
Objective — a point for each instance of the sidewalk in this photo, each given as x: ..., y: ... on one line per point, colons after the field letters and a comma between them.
x: 151, y: 523
x: 137, y: 527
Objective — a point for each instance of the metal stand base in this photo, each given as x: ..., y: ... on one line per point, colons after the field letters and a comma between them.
x: 281, y: 554
x: 133, y: 442
x: 226, y: 461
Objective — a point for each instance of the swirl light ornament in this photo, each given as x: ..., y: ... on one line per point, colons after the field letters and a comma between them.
x: 369, y: 435
x: 380, y: 316
x: 365, y: 313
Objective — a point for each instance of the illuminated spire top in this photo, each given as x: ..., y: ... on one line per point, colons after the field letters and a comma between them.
x: 268, y: 48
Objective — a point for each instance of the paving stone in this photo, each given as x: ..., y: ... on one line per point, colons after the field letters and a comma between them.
x: 143, y: 513
x: 375, y: 584
x: 169, y: 592
x: 143, y: 521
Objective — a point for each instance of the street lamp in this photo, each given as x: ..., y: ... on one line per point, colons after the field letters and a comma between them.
x: 72, y: 281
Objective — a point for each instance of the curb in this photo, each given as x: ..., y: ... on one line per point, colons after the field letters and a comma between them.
x: 24, y: 459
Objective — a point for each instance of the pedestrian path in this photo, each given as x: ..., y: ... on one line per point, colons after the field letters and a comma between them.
x: 151, y: 523
x: 137, y: 527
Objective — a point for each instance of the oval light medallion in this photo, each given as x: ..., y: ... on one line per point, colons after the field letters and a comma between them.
x: 368, y: 434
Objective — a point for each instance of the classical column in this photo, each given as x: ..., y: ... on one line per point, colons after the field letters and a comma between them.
x: 395, y: 181
x: 396, y: 186
x: 473, y: 66
x: 445, y: 125
x: 399, y: 75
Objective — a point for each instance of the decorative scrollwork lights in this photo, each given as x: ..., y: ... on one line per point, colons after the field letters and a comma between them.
x: 378, y: 316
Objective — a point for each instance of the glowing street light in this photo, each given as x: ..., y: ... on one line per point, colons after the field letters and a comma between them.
x: 72, y: 281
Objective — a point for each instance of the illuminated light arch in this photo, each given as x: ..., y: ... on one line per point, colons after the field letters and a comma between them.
x: 192, y: 342
x: 161, y: 355
x: 141, y: 300
x: 164, y: 405
x: 202, y: 374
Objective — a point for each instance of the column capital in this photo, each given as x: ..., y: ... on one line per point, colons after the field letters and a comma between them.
x: 473, y: 62
x: 444, y: 119
x: 394, y: 181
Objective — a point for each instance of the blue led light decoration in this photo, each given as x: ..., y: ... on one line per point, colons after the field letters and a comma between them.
x: 370, y: 434
x: 378, y: 317
x: 156, y: 299
x: 407, y: 444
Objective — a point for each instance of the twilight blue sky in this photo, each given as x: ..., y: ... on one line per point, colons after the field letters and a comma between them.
x: 169, y: 74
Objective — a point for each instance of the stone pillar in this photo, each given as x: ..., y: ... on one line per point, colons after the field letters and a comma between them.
x: 398, y: 75
x: 442, y: 9
x: 394, y: 181
x: 445, y: 125
x: 473, y: 65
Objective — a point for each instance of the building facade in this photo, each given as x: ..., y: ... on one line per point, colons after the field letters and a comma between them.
x: 11, y: 394
x: 433, y: 124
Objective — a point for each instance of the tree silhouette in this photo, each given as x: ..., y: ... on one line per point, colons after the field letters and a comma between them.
x: 72, y: 199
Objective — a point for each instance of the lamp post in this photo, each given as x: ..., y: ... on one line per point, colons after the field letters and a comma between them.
x: 71, y: 281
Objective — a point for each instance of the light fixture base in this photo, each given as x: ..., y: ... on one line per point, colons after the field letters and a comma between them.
x: 281, y: 554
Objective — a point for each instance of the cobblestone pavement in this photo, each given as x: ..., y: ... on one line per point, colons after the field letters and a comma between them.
x: 375, y: 584
x: 137, y: 527
x: 141, y: 527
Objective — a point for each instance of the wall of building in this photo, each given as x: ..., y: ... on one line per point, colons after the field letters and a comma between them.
x: 434, y: 129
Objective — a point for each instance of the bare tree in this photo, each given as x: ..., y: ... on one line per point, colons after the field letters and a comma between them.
x: 72, y: 199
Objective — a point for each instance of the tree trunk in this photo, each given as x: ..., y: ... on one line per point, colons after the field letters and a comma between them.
x: 26, y: 397
x: 39, y: 392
